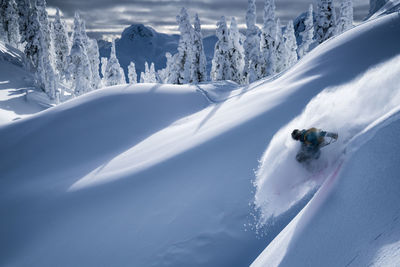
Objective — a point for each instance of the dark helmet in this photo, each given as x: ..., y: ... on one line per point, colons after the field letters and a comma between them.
x: 296, y: 134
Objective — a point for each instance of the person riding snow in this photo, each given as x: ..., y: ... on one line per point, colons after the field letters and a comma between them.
x: 311, y: 142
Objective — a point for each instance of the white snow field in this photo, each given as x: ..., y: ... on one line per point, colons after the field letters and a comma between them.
x: 162, y: 175
x: 15, y: 82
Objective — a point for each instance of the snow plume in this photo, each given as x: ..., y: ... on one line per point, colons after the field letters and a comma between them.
x: 281, y: 182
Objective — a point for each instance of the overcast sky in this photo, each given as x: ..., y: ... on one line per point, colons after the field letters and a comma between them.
x: 110, y: 17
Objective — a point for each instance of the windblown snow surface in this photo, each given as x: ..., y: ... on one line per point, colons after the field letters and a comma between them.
x: 161, y: 175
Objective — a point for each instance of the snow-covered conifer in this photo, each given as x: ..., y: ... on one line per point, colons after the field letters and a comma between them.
x: 3, y: 21
x: 236, y: 53
x: 326, y: 20
x: 149, y: 76
x: 345, y: 21
x: 85, y: 38
x: 290, y: 45
x: 45, y: 74
x: 61, y: 44
x: 144, y: 75
x: 14, y: 37
x: 198, y: 67
x: 132, y: 76
x: 38, y: 51
x: 166, y: 74
x: 104, y: 62
x: 280, y: 48
x: 152, y: 74
x: 220, y: 69
x: 3, y: 33
x: 79, y: 65
x: 44, y: 22
x: 308, y: 34
x: 183, y: 60
x: 24, y: 8
x: 252, y: 45
x: 268, y: 36
x: 93, y: 56
x: 114, y: 74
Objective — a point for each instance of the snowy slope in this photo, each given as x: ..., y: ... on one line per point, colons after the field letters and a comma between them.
x: 14, y: 84
x: 353, y: 219
x: 383, y: 7
x: 341, y: 228
x: 160, y: 175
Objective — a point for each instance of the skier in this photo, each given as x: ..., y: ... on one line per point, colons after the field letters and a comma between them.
x: 311, y: 142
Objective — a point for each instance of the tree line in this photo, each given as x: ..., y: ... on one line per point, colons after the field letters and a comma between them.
x: 67, y: 65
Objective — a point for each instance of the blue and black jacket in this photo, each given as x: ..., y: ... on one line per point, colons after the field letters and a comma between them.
x: 312, y: 138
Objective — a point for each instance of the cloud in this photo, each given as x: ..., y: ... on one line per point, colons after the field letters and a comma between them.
x: 114, y: 16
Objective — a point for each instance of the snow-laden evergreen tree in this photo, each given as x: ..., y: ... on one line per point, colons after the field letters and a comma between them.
x: 252, y: 45
x: 236, y: 53
x: 44, y: 23
x: 85, y: 38
x: 220, y: 68
x: 345, y: 21
x: 12, y: 16
x: 94, y: 59
x: 3, y: 33
x: 32, y: 41
x: 165, y: 75
x: 280, y: 48
x: 104, y: 62
x: 79, y: 65
x: 326, y: 20
x: 3, y: 21
x: 149, y: 76
x: 45, y: 74
x: 290, y: 46
x: 114, y: 74
x: 24, y: 7
x: 308, y: 34
x: 143, y: 75
x: 268, y: 39
x: 61, y: 44
x: 183, y: 60
x: 132, y: 75
x: 152, y: 74
x: 198, y: 67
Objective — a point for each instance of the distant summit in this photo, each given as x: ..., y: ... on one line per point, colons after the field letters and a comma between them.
x: 140, y: 43
x: 138, y: 31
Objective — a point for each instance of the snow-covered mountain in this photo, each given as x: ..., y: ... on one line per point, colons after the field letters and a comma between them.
x: 163, y: 175
x: 139, y: 43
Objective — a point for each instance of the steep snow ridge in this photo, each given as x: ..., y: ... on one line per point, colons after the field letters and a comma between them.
x: 10, y: 54
x: 281, y: 182
x: 386, y: 8
x: 352, y: 219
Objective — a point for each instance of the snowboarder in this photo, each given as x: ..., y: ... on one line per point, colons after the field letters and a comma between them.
x: 311, y: 142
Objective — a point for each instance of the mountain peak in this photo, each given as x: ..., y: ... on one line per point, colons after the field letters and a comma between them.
x: 138, y: 30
